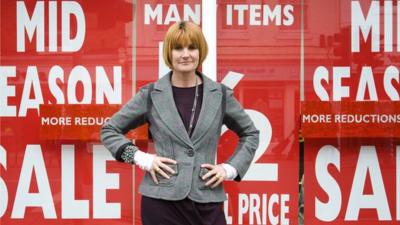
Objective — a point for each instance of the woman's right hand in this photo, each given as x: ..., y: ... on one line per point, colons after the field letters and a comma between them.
x: 160, y: 166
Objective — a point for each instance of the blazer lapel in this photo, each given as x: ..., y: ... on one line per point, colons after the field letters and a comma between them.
x: 209, y: 108
x: 163, y: 102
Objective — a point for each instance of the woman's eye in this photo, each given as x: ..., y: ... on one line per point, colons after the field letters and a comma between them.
x: 192, y: 47
x: 178, y: 47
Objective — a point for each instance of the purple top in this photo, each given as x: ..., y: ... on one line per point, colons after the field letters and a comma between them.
x: 184, y: 98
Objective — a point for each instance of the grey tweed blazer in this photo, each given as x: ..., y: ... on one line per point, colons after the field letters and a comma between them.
x: 171, y: 139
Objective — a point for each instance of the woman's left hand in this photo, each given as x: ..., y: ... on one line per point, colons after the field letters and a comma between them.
x: 216, y: 175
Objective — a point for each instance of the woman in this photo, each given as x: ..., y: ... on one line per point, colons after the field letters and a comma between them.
x: 185, y: 111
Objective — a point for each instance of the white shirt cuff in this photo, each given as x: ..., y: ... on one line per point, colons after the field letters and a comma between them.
x: 231, y: 172
x: 143, y: 160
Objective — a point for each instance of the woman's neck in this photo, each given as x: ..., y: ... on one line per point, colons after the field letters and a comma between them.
x: 179, y: 79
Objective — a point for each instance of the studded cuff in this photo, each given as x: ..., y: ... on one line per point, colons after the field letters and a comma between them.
x: 129, y: 153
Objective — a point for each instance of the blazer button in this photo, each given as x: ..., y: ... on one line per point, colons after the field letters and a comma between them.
x: 190, y: 152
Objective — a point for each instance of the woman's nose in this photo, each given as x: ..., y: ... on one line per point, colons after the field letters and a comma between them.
x: 185, y: 52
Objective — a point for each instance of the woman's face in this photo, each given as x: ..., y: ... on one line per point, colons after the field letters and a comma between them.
x: 185, y: 58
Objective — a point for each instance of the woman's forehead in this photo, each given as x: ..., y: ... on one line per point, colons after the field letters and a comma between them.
x: 183, y: 40
x: 182, y: 44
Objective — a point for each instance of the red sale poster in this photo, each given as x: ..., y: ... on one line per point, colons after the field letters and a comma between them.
x: 262, y: 53
x: 253, y: 49
x: 350, y: 112
x: 327, y: 68
x: 65, y: 67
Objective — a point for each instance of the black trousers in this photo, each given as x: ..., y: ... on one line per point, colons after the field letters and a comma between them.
x: 183, y: 212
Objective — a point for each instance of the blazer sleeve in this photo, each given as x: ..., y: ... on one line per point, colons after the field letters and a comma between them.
x: 130, y: 116
x: 239, y: 121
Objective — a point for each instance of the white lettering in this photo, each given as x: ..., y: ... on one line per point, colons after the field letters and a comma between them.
x: 193, y: 15
x: 255, y: 15
x: 229, y: 14
x: 284, y: 209
x: 32, y: 96
x: 70, y: 208
x: 254, y: 208
x: 31, y: 83
x: 104, y: 88
x: 3, y: 186
x: 149, y: 13
x: 272, y: 15
x: 64, y: 121
x: 368, y: 163
x: 391, y: 73
x: 330, y: 210
x: 261, y: 210
x: 320, y: 74
x: 228, y: 217
x: 103, y: 181
x: 398, y: 182
x: 6, y: 91
x: 68, y: 9
x: 240, y: 11
x: 56, y: 73
x: 366, y: 83
x: 316, y: 118
x: 36, y: 23
x: 288, y: 13
x: 79, y: 74
x: 274, y: 199
x: 33, y: 161
x: 52, y: 26
x: 388, y: 32
x: 339, y: 90
x: 243, y: 207
x: 366, y: 25
x: 172, y: 15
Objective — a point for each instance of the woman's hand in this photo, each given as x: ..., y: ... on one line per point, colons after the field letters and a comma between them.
x: 159, y: 166
x: 216, y: 175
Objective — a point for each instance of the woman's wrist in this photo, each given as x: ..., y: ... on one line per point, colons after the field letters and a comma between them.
x: 144, y: 160
x: 133, y: 155
x: 231, y: 172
